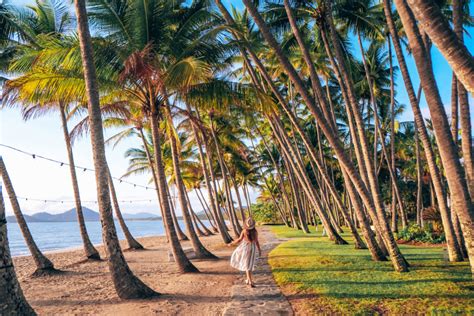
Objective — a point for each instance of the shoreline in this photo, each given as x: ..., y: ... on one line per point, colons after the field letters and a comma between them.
x: 77, y: 248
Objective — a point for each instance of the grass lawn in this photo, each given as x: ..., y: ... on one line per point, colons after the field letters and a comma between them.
x: 319, y: 277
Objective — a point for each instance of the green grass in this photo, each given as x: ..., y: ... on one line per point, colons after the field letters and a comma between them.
x: 343, y: 280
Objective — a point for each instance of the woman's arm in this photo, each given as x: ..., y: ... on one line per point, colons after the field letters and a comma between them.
x: 258, y: 244
x: 238, y: 239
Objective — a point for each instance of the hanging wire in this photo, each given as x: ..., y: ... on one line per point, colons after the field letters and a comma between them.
x: 82, y: 201
x: 61, y: 163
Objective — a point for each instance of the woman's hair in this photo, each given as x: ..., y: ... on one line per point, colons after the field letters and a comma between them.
x: 250, y: 234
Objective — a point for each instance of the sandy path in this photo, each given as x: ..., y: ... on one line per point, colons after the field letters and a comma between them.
x: 266, y: 298
x: 86, y: 288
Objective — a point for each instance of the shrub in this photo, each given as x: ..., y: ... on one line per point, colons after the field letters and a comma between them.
x: 421, y: 234
x: 265, y: 213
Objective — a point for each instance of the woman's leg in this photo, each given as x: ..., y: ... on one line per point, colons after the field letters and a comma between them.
x: 250, y: 277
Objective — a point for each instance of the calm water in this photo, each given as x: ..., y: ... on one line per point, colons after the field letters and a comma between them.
x: 55, y: 236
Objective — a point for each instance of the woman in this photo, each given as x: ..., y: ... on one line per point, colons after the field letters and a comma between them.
x: 243, y: 258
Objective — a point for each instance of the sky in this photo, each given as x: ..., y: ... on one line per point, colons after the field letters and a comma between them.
x: 38, y: 179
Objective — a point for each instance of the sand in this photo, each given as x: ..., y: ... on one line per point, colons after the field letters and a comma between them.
x: 86, y: 288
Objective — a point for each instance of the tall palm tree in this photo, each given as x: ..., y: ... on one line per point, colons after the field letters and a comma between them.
x: 12, y: 300
x: 454, y: 249
x: 465, y: 112
x: 127, y: 285
x: 461, y: 200
x: 431, y: 19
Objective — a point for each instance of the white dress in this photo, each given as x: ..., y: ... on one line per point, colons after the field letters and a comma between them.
x: 243, y: 257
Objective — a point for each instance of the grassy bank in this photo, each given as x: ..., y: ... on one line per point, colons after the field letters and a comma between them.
x: 320, y: 277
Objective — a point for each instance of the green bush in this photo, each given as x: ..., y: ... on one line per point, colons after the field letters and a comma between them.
x: 265, y: 213
x: 421, y: 234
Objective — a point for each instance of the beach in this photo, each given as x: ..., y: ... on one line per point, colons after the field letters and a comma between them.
x: 85, y: 287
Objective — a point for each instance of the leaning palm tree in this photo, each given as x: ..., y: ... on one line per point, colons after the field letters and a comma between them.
x: 454, y: 246
x: 43, y: 264
x: 12, y: 300
x: 432, y: 21
x: 127, y: 285
x: 461, y: 201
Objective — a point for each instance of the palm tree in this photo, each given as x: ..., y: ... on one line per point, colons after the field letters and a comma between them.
x: 461, y: 201
x: 431, y: 19
x: 43, y: 264
x: 131, y: 241
x: 397, y: 259
x: 207, y: 177
x: 12, y: 300
x: 45, y: 19
x: 375, y: 250
x: 465, y: 112
x: 199, y: 249
x: 454, y: 249
x: 127, y: 285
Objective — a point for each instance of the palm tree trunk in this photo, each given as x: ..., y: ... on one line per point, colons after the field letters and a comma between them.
x: 12, y: 300
x: 89, y: 249
x: 43, y: 265
x: 184, y: 264
x: 210, y: 190
x: 229, y: 202
x: 352, y: 127
x: 454, y: 251
x: 454, y: 172
x: 454, y: 109
x: 181, y: 235
x: 206, y: 209
x: 239, y: 200
x: 299, y: 171
x: 465, y: 112
x: 198, y: 230
x: 196, y: 220
x: 249, y: 201
x: 438, y: 29
x: 419, y: 182
x: 219, y: 208
x: 299, y: 206
x: 315, y: 83
x: 392, y: 136
x: 200, y: 251
x: 277, y: 169
x: 131, y: 241
x: 126, y: 284
x: 229, y: 193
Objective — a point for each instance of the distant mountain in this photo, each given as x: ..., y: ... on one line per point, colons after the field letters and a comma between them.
x: 68, y: 216
x: 141, y: 215
x: 71, y: 216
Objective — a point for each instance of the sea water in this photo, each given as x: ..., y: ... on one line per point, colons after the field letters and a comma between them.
x: 51, y: 236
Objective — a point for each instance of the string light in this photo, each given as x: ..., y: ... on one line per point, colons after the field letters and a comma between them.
x: 82, y: 201
x: 61, y: 163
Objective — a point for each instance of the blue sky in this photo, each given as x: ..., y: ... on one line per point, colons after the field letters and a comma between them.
x: 35, y: 178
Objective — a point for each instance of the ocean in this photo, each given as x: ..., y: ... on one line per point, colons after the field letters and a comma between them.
x: 51, y: 236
